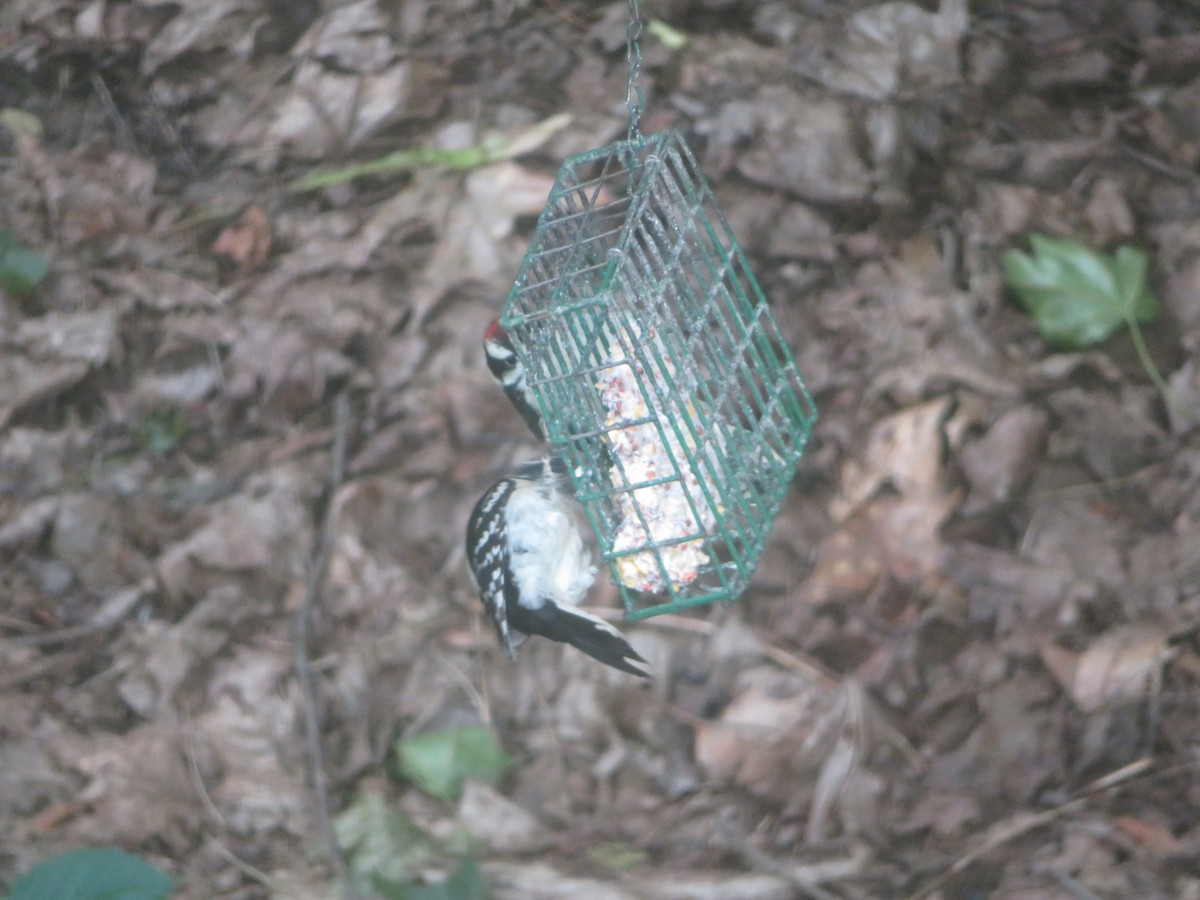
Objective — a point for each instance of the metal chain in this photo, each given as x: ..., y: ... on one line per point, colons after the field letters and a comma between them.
x: 633, y: 52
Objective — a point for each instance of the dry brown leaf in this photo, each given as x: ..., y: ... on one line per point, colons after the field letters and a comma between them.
x: 164, y: 290
x: 537, y: 880
x: 251, y: 727
x: 39, y: 460
x: 1185, y: 388
x: 117, y: 198
x: 166, y: 655
x: 1012, y: 747
x: 1000, y: 462
x: 353, y: 35
x: 475, y: 240
x: 265, y: 529
x: 1108, y: 214
x: 1180, y: 258
x: 943, y: 813
x: 138, y: 787
x: 849, y: 563
x: 540, y: 881
x: 838, y: 769
x: 1150, y: 836
x: 89, y: 337
x: 281, y: 365
x: 1123, y: 664
x: 221, y: 25
x: 908, y: 532
x: 889, y: 47
x: 23, y: 382
x: 327, y: 111
x: 894, y: 533
x: 499, y: 823
x: 28, y: 523
x: 806, y: 145
x: 903, y: 451
x: 48, y: 354
x: 1075, y: 535
x: 771, y: 733
x: 246, y: 244
x: 89, y: 537
x: 364, y: 576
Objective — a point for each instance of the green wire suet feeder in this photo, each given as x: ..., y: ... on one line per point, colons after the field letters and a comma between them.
x: 659, y: 369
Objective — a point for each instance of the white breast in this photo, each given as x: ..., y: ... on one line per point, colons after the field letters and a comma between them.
x: 548, y: 557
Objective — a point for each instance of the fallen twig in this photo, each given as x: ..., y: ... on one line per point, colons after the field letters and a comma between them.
x: 114, y: 610
x: 304, y: 675
x: 1015, y: 826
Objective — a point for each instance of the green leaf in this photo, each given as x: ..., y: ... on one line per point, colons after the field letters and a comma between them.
x: 20, y: 123
x: 618, y: 856
x: 669, y: 37
x: 1130, y: 266
x: 106, y: 874
x: 1079, y: 296
x: 21, y: 269
x: 163, y: 430
x: 464, y: 883
x: 440, y: 762
x: 383, y: 846
x: 386, y: 851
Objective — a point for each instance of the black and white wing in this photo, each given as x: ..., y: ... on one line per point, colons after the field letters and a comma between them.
x: 487, y: 555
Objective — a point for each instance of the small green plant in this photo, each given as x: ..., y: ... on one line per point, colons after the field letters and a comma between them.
x: 464, y: 883
x: 1079, y: 296
x: 161, y: 431
x: 384, y: 847
x: 440, y: 762
x: 388, y: 852
x: 491, y: 149
x: 98, y: 874
x: 618, y: 856
x: 21, y: 269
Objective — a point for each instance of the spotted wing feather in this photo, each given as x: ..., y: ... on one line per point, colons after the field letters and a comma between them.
x: 489, y: 569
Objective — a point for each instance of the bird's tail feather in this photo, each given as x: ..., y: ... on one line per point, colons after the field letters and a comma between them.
x: 592, y: 635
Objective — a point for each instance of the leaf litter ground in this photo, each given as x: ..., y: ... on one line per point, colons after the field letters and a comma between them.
x: 968, y: 661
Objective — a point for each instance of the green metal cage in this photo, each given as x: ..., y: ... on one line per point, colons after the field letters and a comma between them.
x: 660, y: 371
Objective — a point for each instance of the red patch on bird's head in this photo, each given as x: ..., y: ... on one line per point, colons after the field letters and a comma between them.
x: 496, y: 334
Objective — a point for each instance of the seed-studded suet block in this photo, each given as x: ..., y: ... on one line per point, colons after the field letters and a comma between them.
x: 660, y: 373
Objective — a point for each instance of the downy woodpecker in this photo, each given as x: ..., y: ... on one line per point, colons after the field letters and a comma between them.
x: 530, y: 566
x: 509, y: 373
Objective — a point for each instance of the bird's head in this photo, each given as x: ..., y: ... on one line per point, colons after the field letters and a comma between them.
x: 499, y: 350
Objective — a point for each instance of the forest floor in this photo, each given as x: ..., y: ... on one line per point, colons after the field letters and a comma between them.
x: 244, y: 417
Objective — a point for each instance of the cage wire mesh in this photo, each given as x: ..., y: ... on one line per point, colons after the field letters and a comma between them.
x: 660, y: 372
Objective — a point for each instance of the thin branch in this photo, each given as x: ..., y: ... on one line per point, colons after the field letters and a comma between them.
x: 304, y: 674
x: 1016, y: 826
x: 111, y: 614
x: 255, y: 874
x: 805, y: 878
